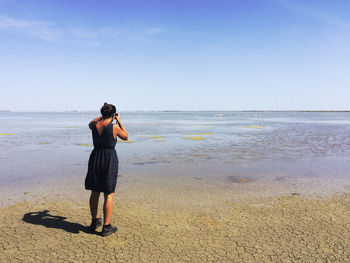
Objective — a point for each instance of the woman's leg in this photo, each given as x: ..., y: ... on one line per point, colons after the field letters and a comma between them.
x: 94, y: 204
x: 107, y: 208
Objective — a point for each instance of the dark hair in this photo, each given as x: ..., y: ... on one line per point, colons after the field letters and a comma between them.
x: 108, y: 110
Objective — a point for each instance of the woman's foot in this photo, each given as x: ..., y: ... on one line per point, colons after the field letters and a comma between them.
x: 95, y: 223
x: 108, y: 230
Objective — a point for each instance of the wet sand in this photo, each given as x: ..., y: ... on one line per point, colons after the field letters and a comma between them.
x: 163, y: 220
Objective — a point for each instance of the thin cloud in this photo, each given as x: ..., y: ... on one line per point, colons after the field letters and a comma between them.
x: 112, y: 32
x: 36, y: 29
x: 51, y: 32
x: 145, y: 34
x: 9, y: 22
x: 315, y: 13
x: 155, y: 30
x: 83, y: 33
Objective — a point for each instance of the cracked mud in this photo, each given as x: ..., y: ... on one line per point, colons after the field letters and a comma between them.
x: 152, y: 227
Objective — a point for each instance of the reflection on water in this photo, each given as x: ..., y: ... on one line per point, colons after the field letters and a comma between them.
x: 236, y: 147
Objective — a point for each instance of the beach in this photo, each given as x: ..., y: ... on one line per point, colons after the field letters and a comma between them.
x: 179, y: 222
x: 222, y: 128
x: 192, y: 187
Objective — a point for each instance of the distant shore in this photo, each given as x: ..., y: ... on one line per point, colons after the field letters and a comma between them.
x: 131, y: 111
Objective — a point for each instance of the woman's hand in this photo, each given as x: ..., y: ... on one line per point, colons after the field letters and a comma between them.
x: 120, y: 130
x: 118, y: 117
x: 95, y: 120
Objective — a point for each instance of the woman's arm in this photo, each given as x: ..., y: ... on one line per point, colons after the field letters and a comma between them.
x: 94, y: 120
x: 120, y: 131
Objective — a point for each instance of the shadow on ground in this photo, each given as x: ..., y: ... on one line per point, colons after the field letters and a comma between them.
x: 45, y: 219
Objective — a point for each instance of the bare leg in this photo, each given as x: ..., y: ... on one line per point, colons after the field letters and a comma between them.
x: 94, y: 204
x: 107, y: 208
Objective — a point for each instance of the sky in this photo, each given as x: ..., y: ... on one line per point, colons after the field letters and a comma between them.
x: 62, y: 55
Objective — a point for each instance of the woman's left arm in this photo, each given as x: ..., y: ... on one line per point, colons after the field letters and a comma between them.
x: 94, y: 120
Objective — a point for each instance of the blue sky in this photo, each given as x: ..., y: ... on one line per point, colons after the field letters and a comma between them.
x: 175, y: 55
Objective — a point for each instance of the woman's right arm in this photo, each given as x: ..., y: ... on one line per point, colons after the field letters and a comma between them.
x: 121, y: 132
x: 94, y: 120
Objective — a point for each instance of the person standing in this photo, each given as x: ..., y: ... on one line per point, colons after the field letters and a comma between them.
x: 103, y: 165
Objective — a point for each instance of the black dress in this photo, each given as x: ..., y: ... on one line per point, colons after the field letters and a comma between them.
x: 103, y: 162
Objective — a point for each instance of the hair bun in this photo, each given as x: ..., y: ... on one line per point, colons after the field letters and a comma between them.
x: 108, y: 110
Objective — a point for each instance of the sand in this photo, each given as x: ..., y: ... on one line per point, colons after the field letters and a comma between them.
x: 178, y: 220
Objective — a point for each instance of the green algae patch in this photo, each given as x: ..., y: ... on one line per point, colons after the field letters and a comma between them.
x: 156, y: 137
x: 205, y: 133
x: 44, y: 142
x: 195, y: 138
x: 159, y: 140
x: 7, y: 134
x: 85, y: 144
x: 126, y: 141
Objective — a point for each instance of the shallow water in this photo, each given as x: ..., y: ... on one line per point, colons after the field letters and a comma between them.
x: 306, y: 150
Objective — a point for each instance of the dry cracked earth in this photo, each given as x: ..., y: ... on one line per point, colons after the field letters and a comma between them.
x: 284, y: 229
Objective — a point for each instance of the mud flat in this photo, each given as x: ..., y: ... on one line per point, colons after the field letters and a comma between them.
x: 163, y: 222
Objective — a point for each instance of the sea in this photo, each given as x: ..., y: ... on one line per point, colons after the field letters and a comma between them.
x: 307, y: 151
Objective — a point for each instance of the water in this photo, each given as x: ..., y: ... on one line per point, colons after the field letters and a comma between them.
x: 305, y: 149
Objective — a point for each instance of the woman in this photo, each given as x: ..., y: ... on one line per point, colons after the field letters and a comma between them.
x: 103, y: 165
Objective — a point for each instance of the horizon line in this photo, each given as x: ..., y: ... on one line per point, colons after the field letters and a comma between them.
x: 82, y: 111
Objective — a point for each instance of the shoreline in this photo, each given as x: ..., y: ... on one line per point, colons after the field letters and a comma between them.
x: 152, y: 183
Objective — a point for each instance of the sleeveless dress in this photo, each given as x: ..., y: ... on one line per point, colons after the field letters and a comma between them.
x: 103, y: 162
